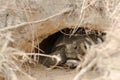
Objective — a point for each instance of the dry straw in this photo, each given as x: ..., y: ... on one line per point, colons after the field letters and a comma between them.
x: 104, y: 14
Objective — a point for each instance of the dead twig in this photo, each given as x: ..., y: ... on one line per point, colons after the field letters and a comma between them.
x: 35, y: 22
x: 85, y: 69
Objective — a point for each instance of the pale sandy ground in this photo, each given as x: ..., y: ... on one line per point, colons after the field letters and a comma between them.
x: 55, y: 74
x: 41, y: 73
x: 109, y: 71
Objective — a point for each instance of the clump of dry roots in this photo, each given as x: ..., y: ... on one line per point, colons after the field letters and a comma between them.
x: 11, y: 60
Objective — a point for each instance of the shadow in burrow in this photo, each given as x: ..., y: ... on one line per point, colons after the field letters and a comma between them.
x: 47, y: 46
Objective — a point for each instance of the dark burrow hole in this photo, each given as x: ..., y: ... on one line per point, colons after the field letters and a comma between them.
x: 47, y: 44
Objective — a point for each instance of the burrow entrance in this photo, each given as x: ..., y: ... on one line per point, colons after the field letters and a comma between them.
x: 71, y: 49
x: 47, y: 44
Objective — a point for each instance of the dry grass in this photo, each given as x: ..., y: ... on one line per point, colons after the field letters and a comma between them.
x: 106, y: 54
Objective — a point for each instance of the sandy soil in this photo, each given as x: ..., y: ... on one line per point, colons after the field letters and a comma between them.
x: 39, y: 72
x: 59, y: 74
